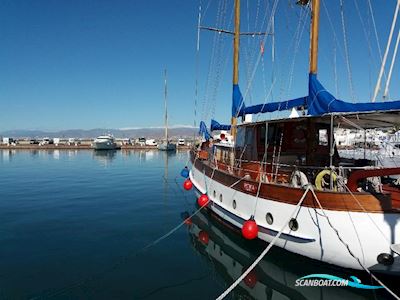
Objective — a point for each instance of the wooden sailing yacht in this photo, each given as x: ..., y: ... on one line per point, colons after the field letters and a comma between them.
x: 344, y: 212
x: 166, y: 145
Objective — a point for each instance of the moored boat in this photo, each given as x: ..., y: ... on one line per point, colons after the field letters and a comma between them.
x: 105, y: 142
x: 346, y: 212
x: 166, y: 145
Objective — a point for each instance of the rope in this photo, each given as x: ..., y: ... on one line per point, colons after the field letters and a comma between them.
x: 228, y: 290
x: 385, y: 93
x: 346, y: 51
x: 378, y: 83
x: 362, y: 207
x: 349, y: 250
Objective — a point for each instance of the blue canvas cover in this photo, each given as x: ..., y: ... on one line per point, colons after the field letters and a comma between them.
x: 275, y: 106
x: 319, y: 101
x: 237, y: 102
x: 203, y: 131
x: 216, y: 126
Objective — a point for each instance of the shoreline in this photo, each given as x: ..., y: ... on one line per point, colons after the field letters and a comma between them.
x: 79, y: 147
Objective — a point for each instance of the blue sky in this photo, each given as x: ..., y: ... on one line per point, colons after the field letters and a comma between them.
x: 99, y: 64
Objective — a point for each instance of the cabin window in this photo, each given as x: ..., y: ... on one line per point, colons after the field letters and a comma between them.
x: 234, y: 204
x: 246, y: 144
x: 215, y: 194
x: 323, y: 137
x: 220, y: 197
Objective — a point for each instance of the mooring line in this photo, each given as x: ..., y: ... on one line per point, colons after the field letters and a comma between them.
x: 349, y: 250
x: 229, y: 289
x: 129, y: 255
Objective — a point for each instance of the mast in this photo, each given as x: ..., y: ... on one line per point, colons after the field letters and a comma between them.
x: 165, y: 106
x: 236, y: 40
x: 314, y: 36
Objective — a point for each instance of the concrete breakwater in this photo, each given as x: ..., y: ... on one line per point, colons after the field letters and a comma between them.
x: 76, y: 147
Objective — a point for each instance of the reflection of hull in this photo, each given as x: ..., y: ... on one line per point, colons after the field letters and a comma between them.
x: 105, y: 156
x: 167, y: 147
x: 274, y: 277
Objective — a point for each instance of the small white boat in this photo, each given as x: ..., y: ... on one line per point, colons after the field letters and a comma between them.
x: 166, y: 146
x: 104, y: 142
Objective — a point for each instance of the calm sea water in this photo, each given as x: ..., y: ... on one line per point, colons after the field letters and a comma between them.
x: 74, y: 224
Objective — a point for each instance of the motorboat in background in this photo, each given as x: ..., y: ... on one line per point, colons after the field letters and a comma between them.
x: 105, y: 142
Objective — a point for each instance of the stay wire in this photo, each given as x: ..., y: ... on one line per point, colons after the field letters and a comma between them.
x: 254, y: 264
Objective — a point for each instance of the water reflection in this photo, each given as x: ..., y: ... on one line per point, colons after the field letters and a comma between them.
x: 105, y: 157
x: 229, y: 255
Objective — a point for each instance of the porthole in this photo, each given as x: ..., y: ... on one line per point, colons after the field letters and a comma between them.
x: 220, y: 197
x: 293, y: 225
x: 215, y: 194
x: 269, y: 218
x: 234, y: 204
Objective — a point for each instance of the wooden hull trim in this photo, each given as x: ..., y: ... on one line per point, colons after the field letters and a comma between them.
x: 335, y: 201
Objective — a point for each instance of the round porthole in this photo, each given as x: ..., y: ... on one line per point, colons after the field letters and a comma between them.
x: 234, y: 204
x: 215, y: 194
x: 269, y: 218
x: 293, y: 225
x: 220, y: 197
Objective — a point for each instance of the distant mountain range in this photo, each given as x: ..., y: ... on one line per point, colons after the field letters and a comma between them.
x: 149, y: 132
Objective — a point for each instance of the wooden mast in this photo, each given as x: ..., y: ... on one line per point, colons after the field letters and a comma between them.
x: 165, y: 107
x: 236, y: 40
x: 314, y: 36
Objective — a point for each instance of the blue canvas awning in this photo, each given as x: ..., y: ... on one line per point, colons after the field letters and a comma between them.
x: 319, y: 102
x: 203, y: 131
x: 216, y: 126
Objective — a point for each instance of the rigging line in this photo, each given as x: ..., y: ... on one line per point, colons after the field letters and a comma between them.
x: 335, y: 71
x: 196, y: 92
x: 252, y: 266
x: 260, y: 179
x: 378, y: 83
x: 364, y: 29
x: 335, y: 37
x: 296, y: 50
x: 375, y: 30
x: 208, y: 5
x: 205, y: 101
x: 386, y: 92
x: 273, y: 77
x: 346, y: 51
x: 365, y: 211
x: 367, y: 38
x: 216, y: 69
x: 115, y: 265
x: 259, y: 57
x: 348, y: 247
x: 292, y: 44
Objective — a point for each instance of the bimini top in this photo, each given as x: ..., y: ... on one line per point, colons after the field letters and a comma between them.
x: 318, y: 102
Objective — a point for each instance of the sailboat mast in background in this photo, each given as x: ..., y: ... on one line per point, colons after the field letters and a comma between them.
x: 165, y: 106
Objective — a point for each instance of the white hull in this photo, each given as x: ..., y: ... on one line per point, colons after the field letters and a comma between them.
x: 314, y: 238
x: 104, y: 146
x: 272, y: 276
x: 166, y: 147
